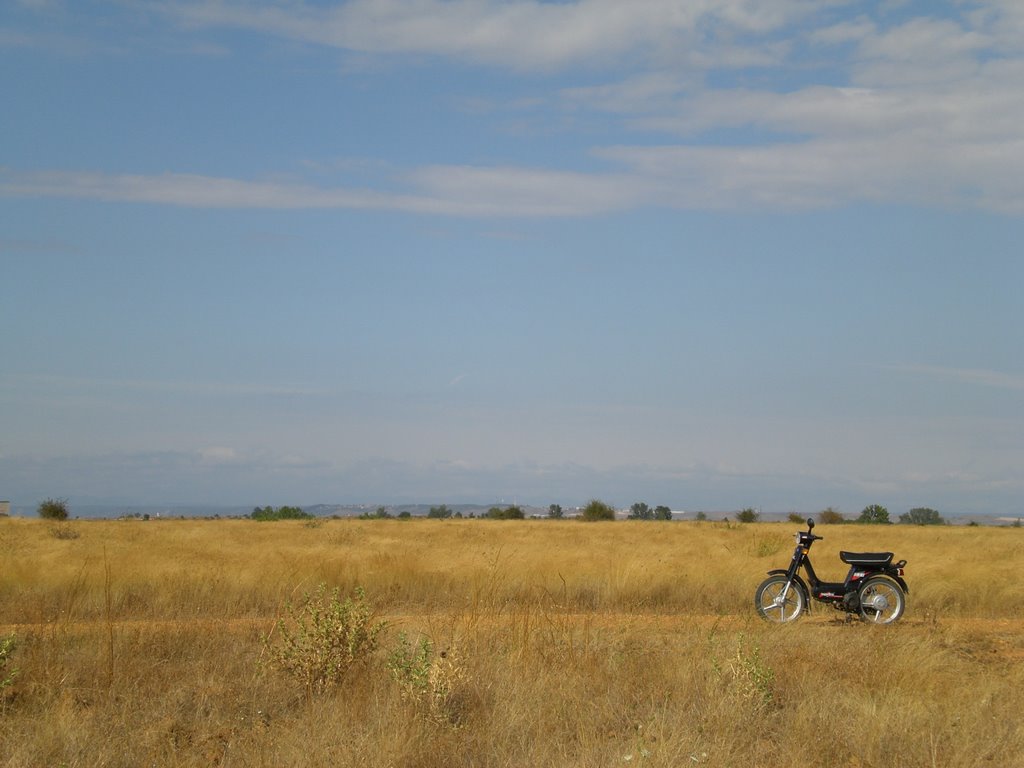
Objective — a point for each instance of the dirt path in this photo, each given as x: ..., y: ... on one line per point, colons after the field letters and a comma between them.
x: 663, y: 622
x: 985, y: 640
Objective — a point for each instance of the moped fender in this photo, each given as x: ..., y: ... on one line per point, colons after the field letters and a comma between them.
x: 889, y: 574
x: 799, y: 582
x: 899, y: 580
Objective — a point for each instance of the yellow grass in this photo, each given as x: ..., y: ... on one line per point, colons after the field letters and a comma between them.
x: 568, y: 644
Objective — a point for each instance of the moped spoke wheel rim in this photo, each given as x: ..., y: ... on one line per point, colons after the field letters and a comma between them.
x: 779, y: 604
x: 881, y: 602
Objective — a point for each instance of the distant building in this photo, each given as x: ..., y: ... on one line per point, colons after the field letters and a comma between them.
x: 5, y: 508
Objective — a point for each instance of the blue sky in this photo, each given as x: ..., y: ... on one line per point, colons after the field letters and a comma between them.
x: 709, y: 254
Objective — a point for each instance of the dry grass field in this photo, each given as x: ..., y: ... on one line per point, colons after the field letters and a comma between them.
x: 551, y: 643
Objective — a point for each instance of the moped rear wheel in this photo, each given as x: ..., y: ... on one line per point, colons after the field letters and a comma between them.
x: 775, y: 602
x: 881, y: 601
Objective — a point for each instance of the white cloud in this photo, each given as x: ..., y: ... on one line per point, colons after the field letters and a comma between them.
x: 844, y: 32
x: 977, y: 376
x: 442, y: 190
x: 916, y: 164
x: 521, y: 34
x: 218, y: 454
x: 930, y: 112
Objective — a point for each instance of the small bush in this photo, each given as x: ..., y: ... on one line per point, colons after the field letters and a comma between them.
x: 874, y: 514
x: 922, y: 516
x: 430, y: 682
x: 598, y: 510
x: 748, y: 515
x: 65, y: 532
x: 747, y: 676
x: 409, y: 666
x: 324, y: 637
x: 506, y: 513
x: 265, y: 514
x: 53, y: 509
x: 829, y: 516
x: 768, y: 546
x: 7, y: 671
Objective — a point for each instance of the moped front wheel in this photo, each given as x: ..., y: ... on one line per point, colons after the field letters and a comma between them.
x: 780, y: 600
x: 881, y: 601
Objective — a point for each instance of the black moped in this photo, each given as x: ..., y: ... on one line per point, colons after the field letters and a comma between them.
x: 874, y: 587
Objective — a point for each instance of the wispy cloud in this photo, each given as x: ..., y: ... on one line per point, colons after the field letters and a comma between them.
x: 785, y: 176
x: 917, y: 110
x: 977, y: 376
x: 440, y: 190
x: 42, y: 383
x: 524, y: 34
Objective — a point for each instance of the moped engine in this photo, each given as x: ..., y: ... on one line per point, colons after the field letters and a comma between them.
x: 851, y: 602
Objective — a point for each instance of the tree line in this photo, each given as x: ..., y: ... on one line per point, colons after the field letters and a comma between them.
x: 594, y: 510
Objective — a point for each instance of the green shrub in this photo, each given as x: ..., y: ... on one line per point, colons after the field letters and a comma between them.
x: 53, y: 509
x: 874, y: 514
x: 281, y: 513
x: 409, y: 666
x: 748, y: 515
x: 922, y: 516
x: 431, y: 682
x: 598, y: 510
x: 64, y: 531
x: 506, y: 513
x: 748, y: 676
x: 7, y: 671
x: 829, y: 516
x: 324, y: 637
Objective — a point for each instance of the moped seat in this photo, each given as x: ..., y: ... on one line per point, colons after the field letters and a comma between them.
x: 875, y: 559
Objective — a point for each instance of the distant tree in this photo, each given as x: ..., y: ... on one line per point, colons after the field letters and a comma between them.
x: 380, y: 513
x: 640, y: 511
x: 281, y: 513
x: 555, y: 511
x: 262, y: 513
x: 442, y: 512
x: 405, y: 514
x: 795, y: 517
x: 830, y: 516
x: 701, y: 517
x: 53, y: 509
x: 922, y: 516
x: 661, y: 512
x: 506, y: 513
x: 748, y: 515
x: 598, y: 510
x: 875, y: 514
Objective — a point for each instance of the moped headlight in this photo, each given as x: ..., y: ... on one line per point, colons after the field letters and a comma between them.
x: 796, y: 537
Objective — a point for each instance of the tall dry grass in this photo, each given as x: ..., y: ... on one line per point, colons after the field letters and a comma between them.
x: 567, y: 644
